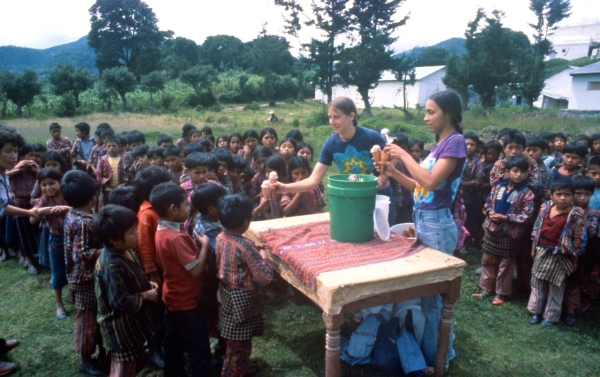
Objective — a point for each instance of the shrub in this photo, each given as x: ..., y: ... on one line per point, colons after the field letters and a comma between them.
x: 272, y: 103
x: 296, y: 123
x: 216, y: 108
x: 222, y: 120
x: 252, y: 106
x: 66, y: 106
x: 318, y: 118
x: 290, y: 101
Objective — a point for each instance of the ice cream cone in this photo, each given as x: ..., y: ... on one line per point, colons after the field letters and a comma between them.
x: 266, y: 191
x: 384, y: 157
x: 376, y: 156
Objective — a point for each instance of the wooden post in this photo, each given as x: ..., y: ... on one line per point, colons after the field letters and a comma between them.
x: 332, y: 344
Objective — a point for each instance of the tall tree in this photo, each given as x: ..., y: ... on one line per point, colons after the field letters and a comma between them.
x: 331, y: 18
x: 268, y: 53
x: 23, y: 89
x: 124, y: 33
x: 66, y: 78
x: 222, y: 51
x: 548, y: 14
x: 178, y: 55
x: 153, y: 82
x: 362, y: 65
x: 6, y: 80
x: 404, y: 70
x: 432, y: 56
x: 121, y: 81
x: 201, y: 78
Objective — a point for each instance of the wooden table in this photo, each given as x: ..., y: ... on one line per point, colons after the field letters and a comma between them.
x: 424, y: 273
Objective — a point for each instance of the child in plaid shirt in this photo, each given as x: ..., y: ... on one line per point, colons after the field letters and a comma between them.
x: 301, y: 203
x: 113, y: 169
x: 58, y: 142
x: 82, y: 249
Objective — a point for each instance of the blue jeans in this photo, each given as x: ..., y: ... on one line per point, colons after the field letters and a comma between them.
x: 58, y: 266
x: 436, y: 229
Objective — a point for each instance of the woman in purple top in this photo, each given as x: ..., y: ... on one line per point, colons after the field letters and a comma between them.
x: 435, y: 182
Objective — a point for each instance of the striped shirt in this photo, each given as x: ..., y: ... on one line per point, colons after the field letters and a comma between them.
x: 55, y: 222
x: 60, y: 146
x: 80, y: 245
x: 124, y: 318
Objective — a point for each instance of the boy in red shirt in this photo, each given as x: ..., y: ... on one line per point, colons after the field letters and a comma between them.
x: 182, y: 268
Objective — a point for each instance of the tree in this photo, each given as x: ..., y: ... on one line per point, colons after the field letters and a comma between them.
x: 201, y: 78
x: 121, y: 81
x: 331, y: 18
x: 268, y: 53
x: 432, y: 56
x: 548, y: 14
x: 66, y: 78
x: 404, y: 70
x: 124, y: 33
x: 6, y: 80
x: 23, y: 89
x: 178, y: 55
x: 363, y: 64
x: 153, y: 82
x: 222, y: 52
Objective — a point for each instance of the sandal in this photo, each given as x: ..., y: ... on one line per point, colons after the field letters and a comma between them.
x: 498, y: 300
x: 482, y: 294
x: 61, y: 313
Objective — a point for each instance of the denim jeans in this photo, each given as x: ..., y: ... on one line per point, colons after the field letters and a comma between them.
x: 56, y: 247
x: 436, y: 229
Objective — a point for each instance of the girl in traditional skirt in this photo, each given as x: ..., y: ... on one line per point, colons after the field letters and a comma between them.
x: 508, y: 207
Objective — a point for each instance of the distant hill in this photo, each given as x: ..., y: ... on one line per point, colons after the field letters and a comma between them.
x: 42, y: 61
x: 452, y: 45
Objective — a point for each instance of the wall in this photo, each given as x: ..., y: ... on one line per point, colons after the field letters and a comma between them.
x: 581, y: 98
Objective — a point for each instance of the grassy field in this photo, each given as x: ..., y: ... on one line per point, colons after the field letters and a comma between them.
x: 490, y: 341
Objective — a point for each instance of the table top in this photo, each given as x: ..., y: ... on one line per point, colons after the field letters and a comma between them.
x: 338, y: 288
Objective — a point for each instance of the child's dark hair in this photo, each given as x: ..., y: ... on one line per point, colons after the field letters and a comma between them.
x: 276, y: 163
x: 576, y: 148
x: 10, y: 135
x: 514, y: 136
x: 196, y: 159
x: 548, y: 136
x: 164, y: 138
x: 585, y: 137
x: 561, y: 136
x: 519, y: 162
x: 267, y: 130
x: 122, y: 140
x: 103, y: 126
x: 25, y: 149
x: 237, y: 162
x: 140, y: 150
x: 165, y: 195
x: 298, y: 162
x: 207, y: 144
x: 112, y: 222
x: 172, y: 150
x: 236, y: 134
x: 78, y: 188
x: 193, y: 147
x: 83, y: 127
x: 55, y: 126
x: 480, y: 144
x: 185, y: 130
x: 472, y: 136
x: 112, y: 139
x: 400, y: 138
x: 594, y: 162
x: 594, y: 137
x: 262, y: 151
x: 250, y: 133
x: 155, y: 151
x: 537, y: 142
x: 234, y: 210
x: 194, y: 131
x: 223, y: 137
x: 207, y: 195
x: 248, y: 173
x: 495, y: 145
x: 296, y: 134
x: 562, y: 183
x: 39, y: 147
x: 292, y: 141
x: 223, y: 155
x: 106, y: 132
x: 126, y: 196
x: 583, y: 182
x: 55, y: 156
x: 136, y: 136
x: 211, y: 138
x: 502, y: 133
x: 416, y: 141
x: 49, y: 173
x: 206, y: 130
x: 148, y: 178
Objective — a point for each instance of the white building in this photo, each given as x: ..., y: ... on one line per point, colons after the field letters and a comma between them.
x: 574, y: 42
x: 585, y: 88
x: 556, y: 91
x: 390, y: 91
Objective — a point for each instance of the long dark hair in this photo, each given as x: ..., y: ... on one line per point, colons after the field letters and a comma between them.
x: 449, y: 102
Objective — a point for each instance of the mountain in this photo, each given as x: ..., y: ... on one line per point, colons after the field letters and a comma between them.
x: 42, y: 61
x: 452, y: 45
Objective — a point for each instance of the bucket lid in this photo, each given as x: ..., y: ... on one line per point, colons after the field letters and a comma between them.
x: 381, y: 224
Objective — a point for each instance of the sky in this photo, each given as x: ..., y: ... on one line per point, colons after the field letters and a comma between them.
x: 44, y: 23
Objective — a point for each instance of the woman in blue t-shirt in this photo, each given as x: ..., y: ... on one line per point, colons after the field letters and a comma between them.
x: 435, y: 182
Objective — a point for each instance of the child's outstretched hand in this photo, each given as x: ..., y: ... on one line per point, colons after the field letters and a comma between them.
x: 151, y: 295
x: 57, y: 210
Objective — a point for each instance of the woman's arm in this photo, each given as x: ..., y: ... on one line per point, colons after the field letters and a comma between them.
x: 397, y: 175
x: 307, y: 184
x: 430, y: 180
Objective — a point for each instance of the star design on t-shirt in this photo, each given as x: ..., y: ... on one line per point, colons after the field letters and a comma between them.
x: 353, y: 161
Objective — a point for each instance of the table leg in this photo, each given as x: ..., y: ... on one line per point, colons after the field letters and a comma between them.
x: 445, y: 329
x: 332, y: 344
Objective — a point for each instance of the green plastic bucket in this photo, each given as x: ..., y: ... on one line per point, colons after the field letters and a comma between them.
x: 351, y: 206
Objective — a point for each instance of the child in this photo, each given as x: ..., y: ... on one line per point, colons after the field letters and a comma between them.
x: 548, y: 156
x: 275, y: 168
x: 135, y: 138
x: 223, y: 141
x: 195, y: 136
x: 508, y: 208
x: 242, y: 270
x: 112, y: 169
x: 560, y: 140
x: 268, y: 138
x: 287, y: 149
x: 99, y: 150
x: 59, y: 143
x: 235, y: 142
x: 156, y: 156
x: 199, y: 167
x: 584, y: 139
x: 225, y: 161
x: 584, y: 187
x: 185, y: 136
x: 260, y: 157
x: 415, y: 148
x: 305, y: 150
x: 52, y: 206
x: 140, y: 156
x: 234, y: 171
x: 82, y: 146
x: 126, y: 196
x: 246, y: 179
x: 593, y: 167
x: 595, y: 145
x: 573, y: 154
x: 164, y: 141
x: 513, y: 145
x: 490, y: 156
x: 559, y: 237
x: 250, y: 140
x: 173, y: 162
x: 296, y: 135
x: 182, y: 268
x: 82, y: 249
x: 305, y: 203
x: 536, y: 147
x: 471, y: 182
x: 205, y: 200
x: 123, y: 291
x: 205, y: 132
